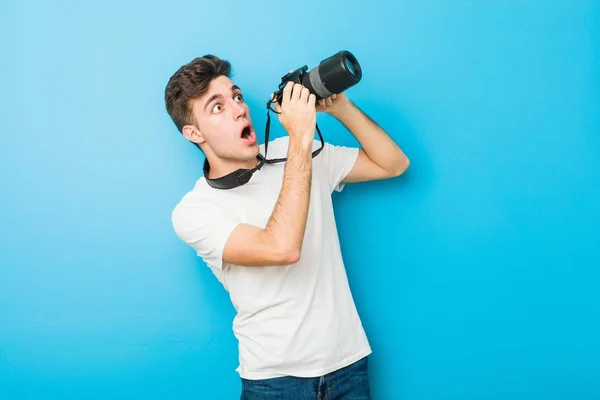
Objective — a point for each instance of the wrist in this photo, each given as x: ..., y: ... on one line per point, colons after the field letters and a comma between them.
x: 341, y: 108
x: 302, y: 141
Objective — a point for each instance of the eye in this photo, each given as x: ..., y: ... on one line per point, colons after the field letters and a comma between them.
x: 217, y: 108
x: 238, y: 96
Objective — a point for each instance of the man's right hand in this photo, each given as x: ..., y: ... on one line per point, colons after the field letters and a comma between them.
x: 297, y: 112
x: 280, y: 241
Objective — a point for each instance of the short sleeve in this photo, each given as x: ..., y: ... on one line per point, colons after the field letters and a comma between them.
x: 205, y: 227
x: 338, y: 162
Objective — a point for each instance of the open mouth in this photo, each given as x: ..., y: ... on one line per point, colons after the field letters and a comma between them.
x: 246, y: 133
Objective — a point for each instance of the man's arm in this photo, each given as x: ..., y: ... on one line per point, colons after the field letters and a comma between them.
x: 379, y: 157
x: 280, y: 242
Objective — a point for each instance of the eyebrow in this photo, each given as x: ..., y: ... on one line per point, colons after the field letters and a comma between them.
x: 218, y: 95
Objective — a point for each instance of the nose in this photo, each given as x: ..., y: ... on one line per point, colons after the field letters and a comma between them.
x: 239, y: 111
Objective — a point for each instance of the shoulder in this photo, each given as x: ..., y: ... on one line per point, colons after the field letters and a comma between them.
x: 198, y: 208
x: 198, y: 195
x: 204, y: 221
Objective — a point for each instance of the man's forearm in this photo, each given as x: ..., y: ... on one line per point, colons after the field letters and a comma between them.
x: 376, y: 143
x: 288, y: 221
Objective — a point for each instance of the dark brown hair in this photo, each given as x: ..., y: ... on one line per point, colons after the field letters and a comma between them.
x: 190, y: 82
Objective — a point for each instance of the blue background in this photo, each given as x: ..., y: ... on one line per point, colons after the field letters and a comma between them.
x: 476, y: 273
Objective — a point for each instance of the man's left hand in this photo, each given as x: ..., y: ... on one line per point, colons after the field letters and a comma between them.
x: 333, y: 103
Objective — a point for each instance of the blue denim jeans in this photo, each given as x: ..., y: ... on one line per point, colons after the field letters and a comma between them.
x: 348, y: 383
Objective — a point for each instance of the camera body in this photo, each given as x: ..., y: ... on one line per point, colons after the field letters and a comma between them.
x: 333, y: 75
x: 297, y: 76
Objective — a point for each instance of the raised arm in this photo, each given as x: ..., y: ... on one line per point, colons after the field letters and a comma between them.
x: 280, y: 242
x: 379, y: 157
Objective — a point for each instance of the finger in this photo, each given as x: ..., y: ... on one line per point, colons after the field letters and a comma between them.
x: 328, y: 101
x: 304, y: 95
x: 297, y: 93
x: 312, y: 99
x: 287, y: 92
x: 322, y: 103
x: 333, y: 96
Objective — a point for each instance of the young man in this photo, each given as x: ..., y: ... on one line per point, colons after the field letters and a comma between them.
x: 271, y: 239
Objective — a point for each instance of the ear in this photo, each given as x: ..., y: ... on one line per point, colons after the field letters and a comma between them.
x: 193, y: 134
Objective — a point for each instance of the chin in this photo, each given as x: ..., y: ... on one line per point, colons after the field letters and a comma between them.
x: 247, y: 154
x: 252, y: 151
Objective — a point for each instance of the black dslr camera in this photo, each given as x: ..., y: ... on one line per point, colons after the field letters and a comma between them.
x: 333, y: 75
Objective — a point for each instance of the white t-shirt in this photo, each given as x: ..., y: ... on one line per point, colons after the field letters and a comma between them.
x: 296, y: 320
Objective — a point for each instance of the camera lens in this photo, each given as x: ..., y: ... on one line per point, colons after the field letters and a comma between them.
x: 333, y: 75
x: 350, y: 66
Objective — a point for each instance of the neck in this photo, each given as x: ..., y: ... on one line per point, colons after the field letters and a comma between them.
x: 219, y: 168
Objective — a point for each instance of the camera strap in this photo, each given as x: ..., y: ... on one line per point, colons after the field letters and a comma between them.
x: 267, y: 129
